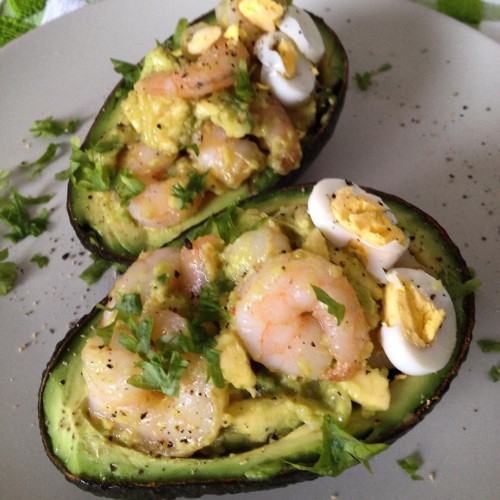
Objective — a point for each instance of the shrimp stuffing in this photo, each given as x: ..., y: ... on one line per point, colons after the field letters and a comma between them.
x: 150, y: 420
x: 287, y: 329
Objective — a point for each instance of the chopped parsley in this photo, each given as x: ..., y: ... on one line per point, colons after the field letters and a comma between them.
x: 243, y: 86
x: 411, y: 465
x: 127, y: 186
x: 40, y: 260
x: 4, y: 180
x: 487, y: 345
x: 48, y: 127
x: 14, y: 213
x: 194, y: 187
x: 227, y: 225
x: 95, y: 271
x: 130, y: 73
x: 161, y: 361
x: 340, y: 451
x: 41, y: 163
x: 495, y: 373
x: 365, y: 80
x: 334, y: 308
x: 8, y: 272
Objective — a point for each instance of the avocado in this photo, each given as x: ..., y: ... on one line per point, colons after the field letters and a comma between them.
x: 99, y: 215
x: 267, y: 444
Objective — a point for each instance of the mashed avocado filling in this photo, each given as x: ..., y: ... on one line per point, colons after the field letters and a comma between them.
x: 271, y: 422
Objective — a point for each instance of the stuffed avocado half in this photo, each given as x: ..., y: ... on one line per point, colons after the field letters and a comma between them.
x: 250, y: 352
x: 228, y: 107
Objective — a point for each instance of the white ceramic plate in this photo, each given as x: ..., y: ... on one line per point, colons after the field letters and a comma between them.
x: 427, y: 130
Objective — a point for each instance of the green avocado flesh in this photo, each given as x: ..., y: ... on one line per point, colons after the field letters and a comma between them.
x: 89, y: 458
x: 101, y: 217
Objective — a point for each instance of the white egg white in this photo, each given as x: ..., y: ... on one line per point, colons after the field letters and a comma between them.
x: 402, y: 353
x: 300, y: 27
x: 379, y: 258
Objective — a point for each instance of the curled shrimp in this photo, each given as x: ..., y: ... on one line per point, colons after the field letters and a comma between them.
x: 157, y: 206
x: 147, y: 420
x: 229, y: 161
x: 286, y: 328
x: 214, y: 70
x: 276, y: 132
x: 145, y: 163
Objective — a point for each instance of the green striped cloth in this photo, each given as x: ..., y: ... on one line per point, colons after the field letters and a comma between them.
x: 19, y: 16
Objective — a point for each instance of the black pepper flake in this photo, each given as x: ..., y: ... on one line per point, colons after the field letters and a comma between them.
x: 112, y: 467
x: 65, y: 256
x: 188, y: 244
x: 144, y: 415
x: 62, y: 382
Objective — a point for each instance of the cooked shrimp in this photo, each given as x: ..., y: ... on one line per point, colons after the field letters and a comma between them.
x: 275, y: 129
x: 145, y: 163
x: 151, y: 421
x: 200, y: 263
x: 214, y: 70
x: 141, y: 276
x: 157, y: 206
x: 147, y: 420
x: 229, y: 161
x: 286, y: 328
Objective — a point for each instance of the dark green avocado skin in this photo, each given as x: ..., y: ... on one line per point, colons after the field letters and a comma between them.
x: 413, y: 397
x: 334, y: 82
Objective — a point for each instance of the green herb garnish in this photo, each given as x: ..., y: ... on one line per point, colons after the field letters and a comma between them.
x: 340, y: 451
x: 40, y: 260
x: 489, y: 345
x: 14, y: 212
x: 95, y: 271
x: 243, y: 86
x: 41, y: 163
x: 210, y: 307
x: 187, y: 194
x: 127, y: 186
x: 182, y: 25
x: 365, y: 80
x: 8, y: 273
x: 48, y: 127
x: 226, y: 225
x: 4, y: 180
x: 495, y: 373
x: 334, y: 308
x: 411, y: 465
x: 130, y: 73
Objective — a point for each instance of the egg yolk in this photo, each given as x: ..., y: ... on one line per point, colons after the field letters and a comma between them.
x: 420, y: 320
x: 263, y: 13
x: 288, y: 52
x: 364, y: 217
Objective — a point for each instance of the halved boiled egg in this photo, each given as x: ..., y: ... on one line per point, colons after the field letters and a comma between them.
x: 349, y: 216
x: 300, y: 27
x: 418, y: 331
x: 285, y: 70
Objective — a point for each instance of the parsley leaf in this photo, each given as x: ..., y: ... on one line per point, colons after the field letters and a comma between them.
x: 365, y: 80
x: 194, y: 187
x: 489, y: 345
x: 411, y: 465
x: 182, y: 25
x: 334, y: 308
x: 48, y: 127
x: 95, y: 271
x: 243, y: 86
x: 340, y: 451
x: 226, y: 225
x: 495, y: 373
x: 8, y: 273
x: 41, y: 163
x: 14, y: 213
x: 209, y: 307
x: 127, y: 186
x: 40, y: 260
x: 130, y: 73
x: 4, y: 180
